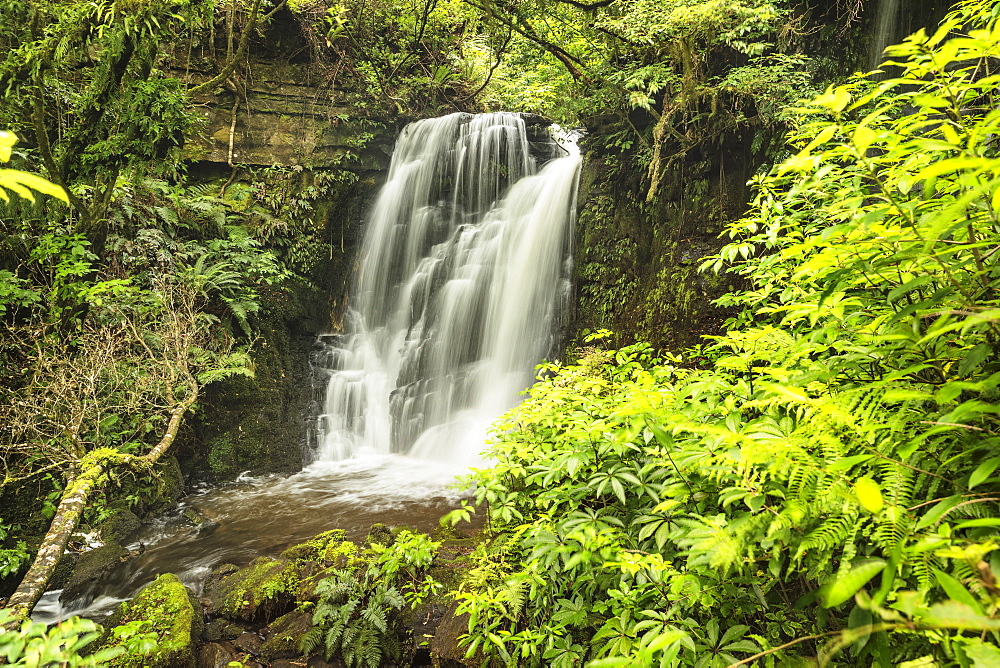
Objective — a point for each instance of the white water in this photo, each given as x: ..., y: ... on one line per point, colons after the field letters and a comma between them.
x: 886, y: 30
x: 462, y: 271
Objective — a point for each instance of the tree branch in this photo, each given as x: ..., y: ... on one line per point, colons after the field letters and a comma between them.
x: 523, y: 28
x: 45, y: 150
x: 241, y: 49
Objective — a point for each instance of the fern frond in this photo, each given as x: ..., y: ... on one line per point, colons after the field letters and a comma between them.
x: 311, y: 640
x: 830, y: 534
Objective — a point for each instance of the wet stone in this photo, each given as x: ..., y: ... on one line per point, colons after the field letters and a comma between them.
x: 221, y: 629
x: 248, y: 642
x: 215, y: 655
x: 285, y: 634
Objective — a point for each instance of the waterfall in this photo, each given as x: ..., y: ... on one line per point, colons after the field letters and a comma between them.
x: 462, y: 272
x: 886, y: 30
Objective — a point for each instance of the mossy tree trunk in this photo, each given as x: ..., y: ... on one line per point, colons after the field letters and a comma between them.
x: 93, y: 472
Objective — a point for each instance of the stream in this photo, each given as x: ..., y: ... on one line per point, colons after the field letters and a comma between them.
x: 265, y: 515
x: 463, y: 281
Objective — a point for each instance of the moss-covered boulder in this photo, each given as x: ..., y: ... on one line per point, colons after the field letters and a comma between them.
x: 119, y: 526
x: 260, y: 592
x: 284, y: 636
x: 159, y: 628
x: 328, y: 548
x: 89, y: 569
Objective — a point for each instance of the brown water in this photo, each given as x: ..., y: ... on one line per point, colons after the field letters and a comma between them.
x: 263, y: 516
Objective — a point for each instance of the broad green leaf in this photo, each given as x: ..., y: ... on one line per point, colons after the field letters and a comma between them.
x: 909, y: 286
x: 982, y: 522
x: 863, y: 137
x: 846, y: 584
x: 7, y: 141
x: 983, y: 471
x: 860, y: 618
x: 845, y: 463
x: 956, y: 591
x: 983, y: 654
x: 937, y: 511
x: 869, y: 495
x: 20, y: 182
x: 955, y: 615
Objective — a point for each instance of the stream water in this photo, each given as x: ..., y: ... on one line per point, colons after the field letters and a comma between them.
x: 265, y: 515
x: 463, y: 273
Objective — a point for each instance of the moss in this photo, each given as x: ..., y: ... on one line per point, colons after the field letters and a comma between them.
x: 261, y: 591
x: 163, y: 614
x: 285, y: 634
x: 381, y: 534
x: 315, y: 548
x: 90, y: 567
x: 119, y: 525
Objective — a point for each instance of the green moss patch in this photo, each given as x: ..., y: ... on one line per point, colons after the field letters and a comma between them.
x: 262, y: 591
x: 158, y: 628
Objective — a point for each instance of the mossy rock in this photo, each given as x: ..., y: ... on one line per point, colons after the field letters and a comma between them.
x: 285, y: 634
x: 260, y: 592
x: 91, y: 567
x: 164, y: 618
x: 381, y: 534
x: 119, y: 526
x: 325, y: 550
x: 221, y: 629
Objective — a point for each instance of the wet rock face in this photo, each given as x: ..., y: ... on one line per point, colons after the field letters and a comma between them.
x: 444, y: 647
x: 284, y: 636
x: 90, y: 568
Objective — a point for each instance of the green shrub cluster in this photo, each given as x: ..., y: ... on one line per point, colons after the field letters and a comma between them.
x: 823, y: 485
x: 357, y: 616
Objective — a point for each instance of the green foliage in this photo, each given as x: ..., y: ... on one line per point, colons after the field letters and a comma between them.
x: 828, y: 485
x: 81, y: 80
x: 397, y: 48
x: 11, y: 558
x: 34, y: 645
x: 357, y: 616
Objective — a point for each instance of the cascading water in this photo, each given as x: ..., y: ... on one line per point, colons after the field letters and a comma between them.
x: 885, y: 30
x: 462, y: 271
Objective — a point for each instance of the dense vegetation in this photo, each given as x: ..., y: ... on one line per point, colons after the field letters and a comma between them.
x: 820, y: 482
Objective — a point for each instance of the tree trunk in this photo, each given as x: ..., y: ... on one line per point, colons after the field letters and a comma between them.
x: 71, y: 507
x: 67, y: 516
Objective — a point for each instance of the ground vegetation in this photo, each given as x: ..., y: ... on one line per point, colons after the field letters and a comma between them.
x: 817, y: 485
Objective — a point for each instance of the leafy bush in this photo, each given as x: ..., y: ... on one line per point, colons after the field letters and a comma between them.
x: 828, y: 487
x: 34, y: 644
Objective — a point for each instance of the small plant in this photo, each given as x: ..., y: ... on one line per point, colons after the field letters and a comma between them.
x: 357, y: 613
x: 33, y: 644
